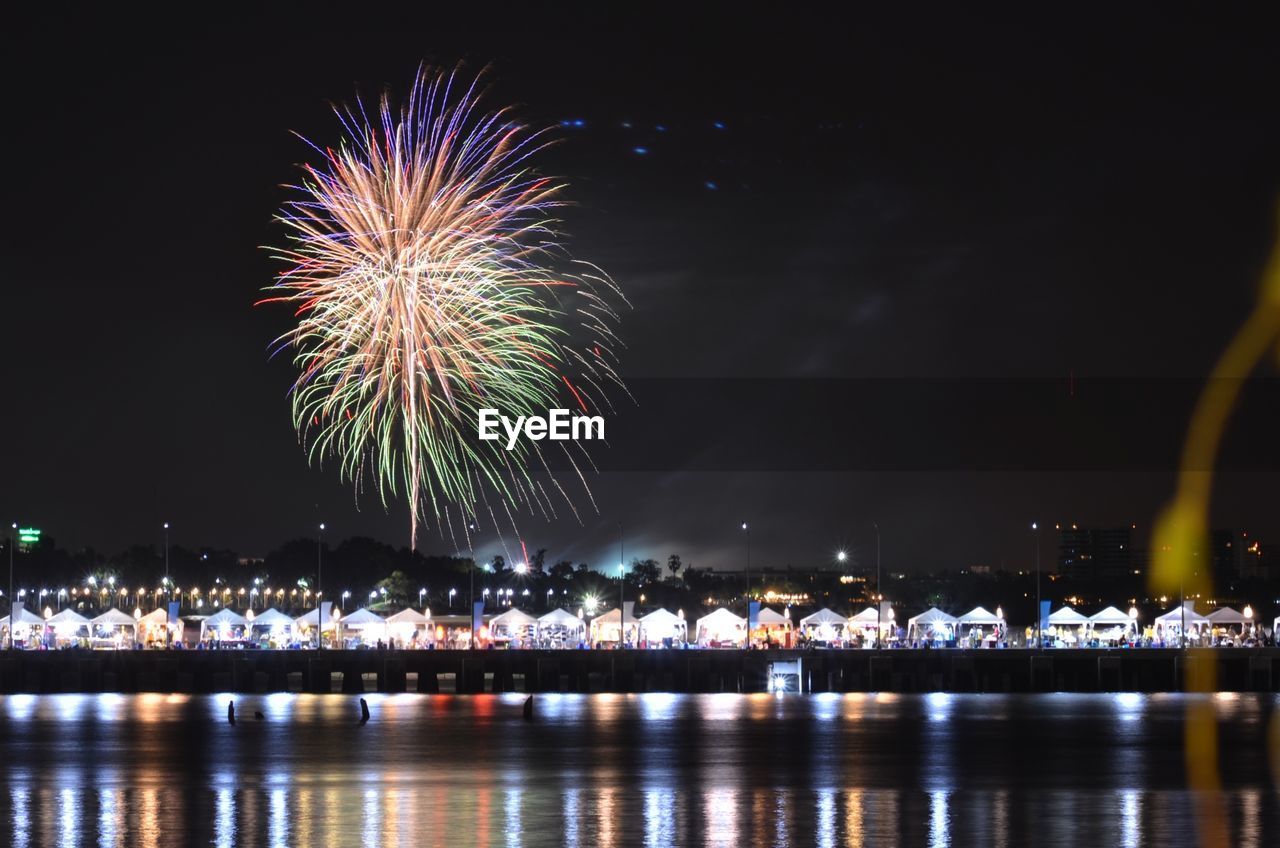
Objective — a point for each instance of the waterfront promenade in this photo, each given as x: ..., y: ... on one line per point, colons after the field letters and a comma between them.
x: 470, y: 672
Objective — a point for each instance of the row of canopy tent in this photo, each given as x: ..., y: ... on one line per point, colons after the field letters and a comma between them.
x: 933, y: 622
x: 67, y: 624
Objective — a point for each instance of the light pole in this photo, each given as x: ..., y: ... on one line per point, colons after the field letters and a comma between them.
x: 13, y: 542
x: 471, y: 592
x: 622, y: 568
x: 746, y: 532
x: 1035, y: 528
x: 879, y: 594
x: 166, y: 553
x: 319, y: 608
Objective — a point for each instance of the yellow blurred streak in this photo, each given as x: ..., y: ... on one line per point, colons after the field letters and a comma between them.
x: 1273, y: 739
x: 1183, y: 529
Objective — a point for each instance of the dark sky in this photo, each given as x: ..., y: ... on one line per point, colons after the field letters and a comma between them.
x: 952, y: 198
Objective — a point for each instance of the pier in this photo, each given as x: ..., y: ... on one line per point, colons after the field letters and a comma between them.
x: 534, y: 671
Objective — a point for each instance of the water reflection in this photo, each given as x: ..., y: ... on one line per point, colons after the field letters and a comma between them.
x: 111, y: 771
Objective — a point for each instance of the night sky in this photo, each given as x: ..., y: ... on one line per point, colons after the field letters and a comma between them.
x: 953, y: 198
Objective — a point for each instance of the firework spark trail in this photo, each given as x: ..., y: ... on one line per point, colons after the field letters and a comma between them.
x: 422, y: 265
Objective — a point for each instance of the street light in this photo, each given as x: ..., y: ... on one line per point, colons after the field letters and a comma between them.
x: 13, y: 542
x: 879, y: 592
x: 166, y: 551
x: 622, y: 583
x: 421, y: 594
x: 1035, y: 528
x: 452, y: 592
x: 319, y: 568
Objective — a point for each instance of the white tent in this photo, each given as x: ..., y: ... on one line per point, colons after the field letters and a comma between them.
x: 408, y: 624
x: 26, y: 619
x: 663, y: 624
x: 768, y: 618
x: 1176, y: 616
x: 26, y: 616
x: 1110, y: 616
x: 561, y: 628
x: 272, y: 618
x: 932, y: 617
x: 308, y: 620
x: 362, y: 618
x: 720, y: 626
x: 273, y: 622
x: 931, y: 620
x: 512, y: 624
x: 155, y: 625
x: 66, y: 622
x: 607, y: 626
x: 158, y: 617
x: 114, y: 618
x: 868, y: 618
x: 221, y: 623
x: 978, y: 615
x: 823, y: 616
x: 1067, y: 617
x: 408, y: 615
x: 369, y: 627
x: 1226, y: 615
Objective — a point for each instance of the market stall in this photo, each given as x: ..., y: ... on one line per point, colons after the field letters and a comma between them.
x: 663, y: 628
x: 514, y: 628
x: 154, y: 628
x: 773, y: 629
x: 362, y: 627
x: 971, y: 626
x: 1221, y: 624
x: 69, y: 628
x: 27, y: 633
x: 720, y: 629
x: 410, y: 629
x: 932, y: 625
x: 824, y: 627
x: 271, y: 629
x: 561, y: 629
x: 1067, y: 628
x: 113, y: 629
x: 1112, y: 626
x: 1171, y: 626
x: 224, y: 626
x: 610, y: 628
x: 305, y: 625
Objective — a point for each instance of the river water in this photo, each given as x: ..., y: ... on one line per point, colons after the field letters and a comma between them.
x: 612, y: 770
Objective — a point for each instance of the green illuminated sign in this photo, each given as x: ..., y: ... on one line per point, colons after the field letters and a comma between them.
x: 28, y: 535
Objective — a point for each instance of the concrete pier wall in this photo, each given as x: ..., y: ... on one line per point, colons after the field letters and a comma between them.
x: 1252, y: 670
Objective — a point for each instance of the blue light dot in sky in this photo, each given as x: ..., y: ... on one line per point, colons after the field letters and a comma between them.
x: 718, y: 125
x: 626, y: 125
x: 640, y: 151
x: 710, y: 185
x: 660, y: 128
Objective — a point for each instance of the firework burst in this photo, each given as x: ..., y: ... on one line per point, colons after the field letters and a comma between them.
x: 423, y: 263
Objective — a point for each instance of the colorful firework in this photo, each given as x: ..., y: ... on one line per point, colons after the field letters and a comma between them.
x: 423, y: 262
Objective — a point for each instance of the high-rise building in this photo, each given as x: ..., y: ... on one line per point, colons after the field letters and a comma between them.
x: 1095, y: 553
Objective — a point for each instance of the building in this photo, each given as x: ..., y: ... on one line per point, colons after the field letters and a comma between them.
x: 1095, y: 553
